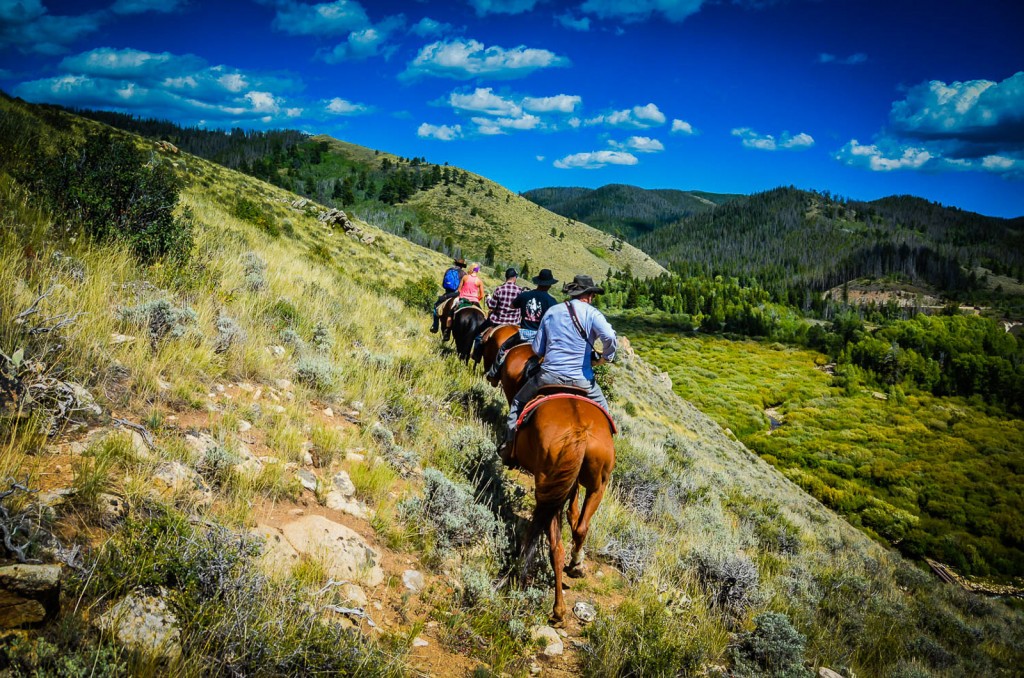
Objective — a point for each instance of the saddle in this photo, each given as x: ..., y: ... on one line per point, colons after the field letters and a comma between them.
x: 560, y: 392
x: 468, y: 306
x: 486, y: 334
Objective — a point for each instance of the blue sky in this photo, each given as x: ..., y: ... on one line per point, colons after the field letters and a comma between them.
x: 857, y: 97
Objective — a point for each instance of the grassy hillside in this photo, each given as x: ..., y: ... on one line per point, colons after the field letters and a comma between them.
x: 299, y: 353
x: 625, y: 211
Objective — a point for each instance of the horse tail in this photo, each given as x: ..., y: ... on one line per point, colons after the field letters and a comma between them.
x: 552, y: 498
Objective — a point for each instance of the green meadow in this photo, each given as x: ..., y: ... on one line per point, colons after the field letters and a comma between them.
x: 936, y: 477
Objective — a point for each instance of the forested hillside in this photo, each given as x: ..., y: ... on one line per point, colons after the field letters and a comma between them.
x: 625, y: 211
x: 788, y: 239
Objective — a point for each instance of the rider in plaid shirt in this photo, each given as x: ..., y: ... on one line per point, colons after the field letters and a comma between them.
x: 500, y: 302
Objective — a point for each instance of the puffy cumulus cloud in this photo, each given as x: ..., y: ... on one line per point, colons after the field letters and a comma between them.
x: 327, y: 18
x: 768, y: 142
x: 161, y: 84
x: 339, y: 106
x: 28, y: 27
x: 639, y: 117
x: 485, y: 7
x: 569, y: 21
x: 143, y: 6
x: 632, y: 11
x: 492, y: 126
x: 560, y: 103
x: 682, y: 127
x: 638, y: 144
x: 484, y: 100
x: 366, y: 42
x: 439, y: 132
x: 595, y: 160
x: 427, y: 27
x: 852, y: 60
x: 465, y: 59
x: 977, y: 125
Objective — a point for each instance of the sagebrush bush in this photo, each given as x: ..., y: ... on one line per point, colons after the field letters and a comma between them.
x: 322, y: 340
x: 229, y: 333
x: 731, y: 579
x: 774, y: 649
x: 316, y: 372
x: 457, y: 520
x: 254, y: 271
x: 160, y: 318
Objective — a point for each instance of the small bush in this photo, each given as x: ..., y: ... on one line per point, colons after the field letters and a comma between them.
x: 316, y: 372
x: 161, y: 319
x: 774, y: 648
x: 254, y: 270
x: 257, y: 215
x: 418, y: 294
x: 217, y: 464
x: 229, y: 333
x: 322, y: 341
x: 458, y: 521
x: 730, y: 579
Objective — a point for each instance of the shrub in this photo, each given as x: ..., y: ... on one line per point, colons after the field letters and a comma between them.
x: 229, y: 333
x: 418, y: 294
x: 254, y: 270
x: 257, y: 215
x: 730, y: 579
x: 109, y: 188
x: 316, y: 372
x: 631, y: 550
x: 458, y: 521
x: 217, y: 464
x: 774, y: 648
x: 160, y: 318
x: 322, y: 340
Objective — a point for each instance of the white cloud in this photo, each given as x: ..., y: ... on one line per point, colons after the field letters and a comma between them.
x: 640, y: 10
x: 768, y: 142
x: 464, y: 59
x: 638, y: 117
x: 540, y: 158
x: 852, y: 60
x: 339, y: 106
x: 638, y: 144
x: 427, y: 27
x: 263, y: 102
x: 595, y: 160
x: 682, y: 127
x: 328, y: 18
x: 484, y: 100
x: 491, y: 126
x: 27, y: 26
x: 106, y: 62
x: 143, y: 6
x: 439, y: 132
x: 878, y: 160
x: 574, y: 122
x: 560, y: 103
x: 572, y: 23
x: 366, y: 42
x: 485, y: 7
x: 887, y: 154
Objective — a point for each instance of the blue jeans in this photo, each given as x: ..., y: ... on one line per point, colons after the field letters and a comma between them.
x: 530, y: 388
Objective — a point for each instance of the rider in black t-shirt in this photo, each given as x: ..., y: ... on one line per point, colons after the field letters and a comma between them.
x: 533, y: 304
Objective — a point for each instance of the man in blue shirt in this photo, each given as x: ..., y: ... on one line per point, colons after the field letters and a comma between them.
x: 565, y: 341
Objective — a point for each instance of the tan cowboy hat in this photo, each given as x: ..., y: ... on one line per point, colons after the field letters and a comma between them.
x: 580, y: 285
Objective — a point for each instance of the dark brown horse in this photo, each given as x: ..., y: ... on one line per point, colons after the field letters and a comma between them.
x: 466, y: 323
x: 567, y: 443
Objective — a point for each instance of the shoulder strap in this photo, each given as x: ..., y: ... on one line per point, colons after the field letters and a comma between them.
x: 579, y: 327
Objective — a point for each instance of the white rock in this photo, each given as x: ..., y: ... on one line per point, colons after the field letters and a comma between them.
x: 243, y: 426
x: 585, y: 612
x: 355, y: 457
x: 143, y: 623
x: 553, y: 646
x: 828, y: 673
x: 347, y: 554
x: 111, y: 508
x: 354, y: 595
x: 279, y: 409
x: 343, y: 483
x: 307, y: 479
x: 336, y: 502
x: 328, y: 412
x: 200, y: 443
x: 247, y: 387
x: 163, y: 385
x: 418, y: 641
x: 276, y: 351
x: 277, y: 555
x: 283, y: 384
x: 219, y: 388
x: 116, y: 339
x: 413, y: 580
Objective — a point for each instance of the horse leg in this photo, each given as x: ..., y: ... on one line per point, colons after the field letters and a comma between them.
x: 557, y: 560
x: 580, y: 529
x: 573, y: 513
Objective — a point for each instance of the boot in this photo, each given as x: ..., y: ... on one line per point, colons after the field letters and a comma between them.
x: 505, y: 453
x: 437, y: 323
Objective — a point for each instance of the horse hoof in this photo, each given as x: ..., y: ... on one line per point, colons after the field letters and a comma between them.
x: 576, y: 572
x: 556, y: 622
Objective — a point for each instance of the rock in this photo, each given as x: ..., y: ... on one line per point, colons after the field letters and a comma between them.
x: 346, y: 553
x: 247, y: 387
x: 585, y: 612
x: 413, y: 580
x: 219, y: 388
x: 200, y: 443
x: 276, y: 351
x: 277, y: 555
x: 828, y: 673
x: 418, y: 641
x: 243, y: 426
x: 143, y: 623
x: 279, y: 409
x: 338, y: 502
x: 173, y: 479
x: 354, y: 457
x: 283, y: 384
x: 307, y: 459
x: 547, y: 636
x: 535, y: 669
x: 139, y: 447
x: 163, y: 385
x: 52, y: 499
x: 328, y: 412
x: 110, y: 508
x: 28, y: 594
x: 343, y: 483
x: 307, y: 479
x: 116, y: 339
x: 369, y: 239
x: 354, y: 595
x: 335, y: 217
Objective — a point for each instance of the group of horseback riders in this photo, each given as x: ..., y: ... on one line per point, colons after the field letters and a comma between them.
x: 562, y: 335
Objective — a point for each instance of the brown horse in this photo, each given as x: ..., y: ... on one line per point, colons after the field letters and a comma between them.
x: 565, y: 444
x: 493, y: 338
x: 513, y: 369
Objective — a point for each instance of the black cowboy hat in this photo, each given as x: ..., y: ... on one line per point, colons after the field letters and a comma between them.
x: 460, y: 262
x: 511, y: 273
x: 544, y: 278
x: 580, y: 285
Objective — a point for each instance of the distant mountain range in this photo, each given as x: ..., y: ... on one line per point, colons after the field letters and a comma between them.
x: 623, y: 210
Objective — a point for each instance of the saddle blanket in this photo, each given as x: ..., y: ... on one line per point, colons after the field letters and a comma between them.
x: 533, y: 404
